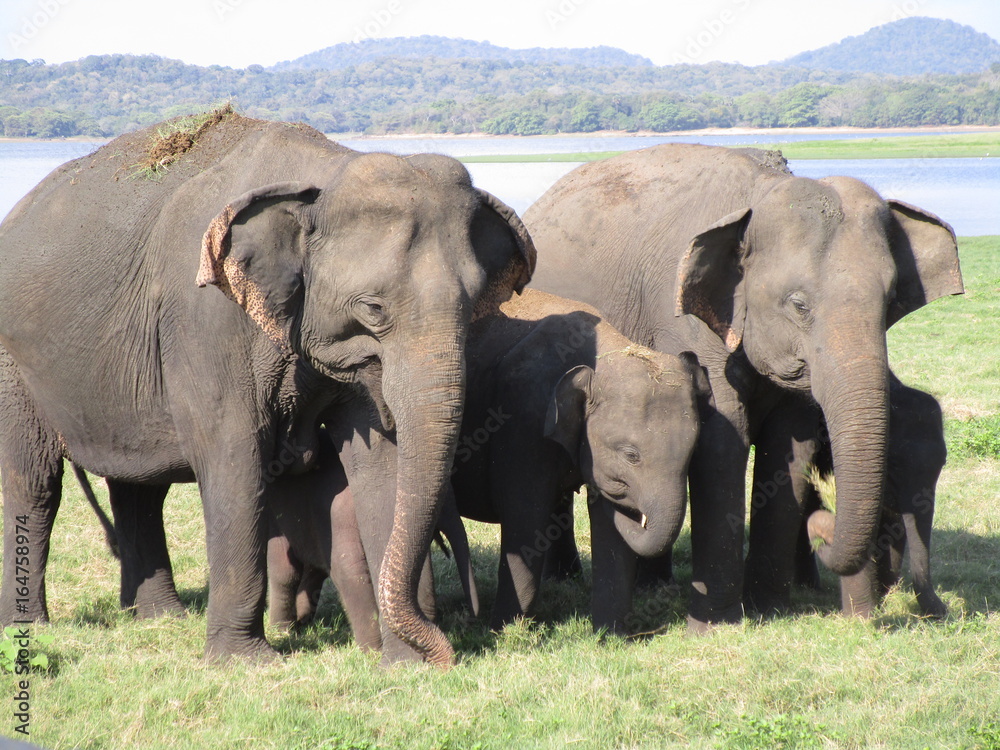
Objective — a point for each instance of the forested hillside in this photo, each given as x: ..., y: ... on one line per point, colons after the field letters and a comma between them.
x: 111, y: 94
x: 911, y: 46
x: 368, y: 50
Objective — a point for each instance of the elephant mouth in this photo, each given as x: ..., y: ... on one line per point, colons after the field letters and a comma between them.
x: 369, y: 375
x: 794, y: 375
x: 613, y: 505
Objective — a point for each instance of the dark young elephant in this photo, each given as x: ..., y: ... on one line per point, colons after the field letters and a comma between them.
x: 778, y: 284
x: 347, y: 270
x: 917, y: 454
x: 558, y: 398
x: 315, y: 536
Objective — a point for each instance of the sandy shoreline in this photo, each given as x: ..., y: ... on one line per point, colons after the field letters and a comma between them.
x: 605, y: 134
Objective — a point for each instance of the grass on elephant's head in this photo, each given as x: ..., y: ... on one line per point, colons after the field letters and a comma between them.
x: 808, y: 679
x: 176, y: 137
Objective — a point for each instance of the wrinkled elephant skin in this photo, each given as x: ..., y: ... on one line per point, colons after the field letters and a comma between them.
x: 780, y: 285
x: 337, y: 273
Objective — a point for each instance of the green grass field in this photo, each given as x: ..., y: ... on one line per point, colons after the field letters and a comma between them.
x: 897, y: 147
x: 809, y: 680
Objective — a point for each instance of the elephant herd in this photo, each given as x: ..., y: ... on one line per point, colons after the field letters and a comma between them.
x: 370, y: 367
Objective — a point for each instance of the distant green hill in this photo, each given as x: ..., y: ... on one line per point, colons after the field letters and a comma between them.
x: 908, y: 47
x: 104, y: 95
x: 367, y: 50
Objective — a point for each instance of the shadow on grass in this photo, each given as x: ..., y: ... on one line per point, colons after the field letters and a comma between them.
x: 967, y: 565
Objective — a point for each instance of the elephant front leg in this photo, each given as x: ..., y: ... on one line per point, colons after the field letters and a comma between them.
x: 916, y: 503
x: 784, y: 451
x: 614, y: 569
x: 530, y: 525
x: 369, y: 460
x: 284, y: 576
x: 861, y: 593
x: 236, y: 531
x: 562, y: 561
x: 147, y: 579
x: 716, y: 479
x: 351, y: 575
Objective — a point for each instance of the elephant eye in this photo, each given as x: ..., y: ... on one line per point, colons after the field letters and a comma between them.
x: 799, y: 304
x: 630, y: 454
x: 371, y: 313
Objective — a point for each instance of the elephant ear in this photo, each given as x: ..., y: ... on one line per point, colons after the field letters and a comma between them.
x: 710, y: 278
x: 261, y: 268
x: 505, y: 250
x: 699, y: 380
x: 567, y: 412
x: 926, y: 256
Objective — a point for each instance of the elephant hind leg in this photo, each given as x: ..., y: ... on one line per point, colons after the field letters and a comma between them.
x: 31, y: 471
x: 147, y: 578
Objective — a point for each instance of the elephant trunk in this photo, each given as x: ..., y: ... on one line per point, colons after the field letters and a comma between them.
x: 425, y: 391
x: 854, y: 396
x: 661, y: 526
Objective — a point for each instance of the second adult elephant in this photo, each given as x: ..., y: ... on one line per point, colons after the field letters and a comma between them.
x: 778, y: 283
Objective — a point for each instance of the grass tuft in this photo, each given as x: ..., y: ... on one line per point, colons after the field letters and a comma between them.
x: 175, y: 138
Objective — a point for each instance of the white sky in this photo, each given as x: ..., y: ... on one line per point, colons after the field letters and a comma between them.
x: 242, y: 32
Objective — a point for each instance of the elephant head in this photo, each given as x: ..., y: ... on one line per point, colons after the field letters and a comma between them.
x: 631, y: 425
x: 806, y: 281
x: 380, y: 270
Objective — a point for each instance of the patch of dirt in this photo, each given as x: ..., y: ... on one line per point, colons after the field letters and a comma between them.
x: 176, y: 138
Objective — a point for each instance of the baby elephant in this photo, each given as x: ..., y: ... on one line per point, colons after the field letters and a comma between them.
x: 917, y: 454
x: 314, y: 535
x: 557, y: 398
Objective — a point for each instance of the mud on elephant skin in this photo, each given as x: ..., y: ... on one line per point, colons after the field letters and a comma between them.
x: 558, y: 398
x: 779, y: 284
x: 336, y: 271
x: 917, y: 454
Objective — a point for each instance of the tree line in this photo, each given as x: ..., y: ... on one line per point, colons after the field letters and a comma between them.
x: 103, y: 96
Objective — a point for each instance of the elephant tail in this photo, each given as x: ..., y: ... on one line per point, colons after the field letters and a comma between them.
x: 109, y: 528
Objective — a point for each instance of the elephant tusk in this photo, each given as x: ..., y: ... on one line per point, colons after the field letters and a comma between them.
x: 644, y: 520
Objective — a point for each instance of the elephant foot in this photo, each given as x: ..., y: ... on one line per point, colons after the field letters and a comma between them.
x: 767, y: 606
x: 700, y: 627
x: 253, y: 649
x: 169, y: 608
x: 931, y: 605
x: 37, y: 613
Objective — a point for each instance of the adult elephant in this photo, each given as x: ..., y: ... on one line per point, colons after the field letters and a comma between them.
x: 777, y: 283
x: 339, y: 272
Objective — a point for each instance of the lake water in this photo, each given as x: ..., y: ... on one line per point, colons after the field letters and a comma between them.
x: 963, y: 192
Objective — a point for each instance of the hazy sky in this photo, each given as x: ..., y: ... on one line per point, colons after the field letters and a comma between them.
x: 242, y: 32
